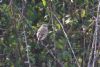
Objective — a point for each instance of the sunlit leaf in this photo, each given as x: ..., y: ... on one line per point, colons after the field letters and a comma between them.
x: 67, y: 21
x: 80, y: 60
x: 83, y: 12
x: 44, y: 2
x: 12, y: 65
x: 58, y: 26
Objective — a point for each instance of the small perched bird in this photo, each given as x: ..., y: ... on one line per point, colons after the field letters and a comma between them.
x: 42, y: 32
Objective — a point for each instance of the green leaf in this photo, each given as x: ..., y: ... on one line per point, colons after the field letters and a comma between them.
x: 60, y: 44
x: 58, y: 26
x: 83, y: 12
x: 44, y: 2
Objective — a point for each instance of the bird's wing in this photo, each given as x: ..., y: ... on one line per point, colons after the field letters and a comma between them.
x: 42, y: 33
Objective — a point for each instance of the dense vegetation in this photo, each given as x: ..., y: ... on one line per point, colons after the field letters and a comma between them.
x: 73, y: 39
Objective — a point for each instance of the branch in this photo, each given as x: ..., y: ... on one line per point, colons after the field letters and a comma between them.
x: 27, y: 47
x: 52, y: 54
x: 24, y: 32
x: 67, y: 40
x: 94, y: 44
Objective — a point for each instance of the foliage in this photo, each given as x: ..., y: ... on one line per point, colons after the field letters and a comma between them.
x: 20, y: 20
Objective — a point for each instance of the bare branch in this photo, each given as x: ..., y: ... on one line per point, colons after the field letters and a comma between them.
x: 52, y: 54
x: 94, y: 44
x: 67, y: 40
x: 27, y: 47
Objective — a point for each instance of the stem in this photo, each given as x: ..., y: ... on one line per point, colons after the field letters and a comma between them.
x: 67, y: 40
x: 27, y: 47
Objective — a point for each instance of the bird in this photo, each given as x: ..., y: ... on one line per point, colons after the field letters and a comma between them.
x: 42, y: 32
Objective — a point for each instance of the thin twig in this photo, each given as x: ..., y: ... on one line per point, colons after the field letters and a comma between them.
x: 24, y: 32
x: 52, y: 54
x: 27, y: 47
x: 94, y: 44
x: 96, y: 34
x: 67, y: 40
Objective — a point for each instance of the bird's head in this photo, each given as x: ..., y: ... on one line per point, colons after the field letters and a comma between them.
x: 45, y: 25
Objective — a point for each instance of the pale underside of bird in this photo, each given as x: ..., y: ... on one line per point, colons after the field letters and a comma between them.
x: 42, y: 32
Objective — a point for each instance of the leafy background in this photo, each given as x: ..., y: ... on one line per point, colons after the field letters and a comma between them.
x: 20, y: 20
